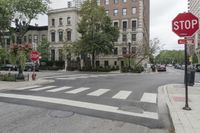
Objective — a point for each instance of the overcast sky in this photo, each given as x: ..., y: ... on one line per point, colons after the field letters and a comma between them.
x: 162, y: 13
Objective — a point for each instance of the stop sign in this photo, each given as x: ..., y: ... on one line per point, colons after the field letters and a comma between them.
x: 34, y: 55
x: 185, y: 24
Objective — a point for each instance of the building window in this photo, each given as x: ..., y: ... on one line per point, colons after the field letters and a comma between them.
x: 124, y: 1
x: 133, y: 37
x: 60, y: 34
x: 124, y: 38
x: 68, y: 35
x: 124, y: 11
x: 115, y: 51
x: 30, y: 38
x: 52, y: 22
x: 68, y: 20
x: 25, y: 39
x: 107, y: 12
x: 69, y: 3
x: 116, y: 1
x: 35, y: 39
x: 115, y: 12
x: 53, y: 36
x: 133, y: 51
x: 133, y: 10
x: 53, y: 55
x: 125, y: 25
x: 97, y: 63
x: 124, y: 50
x: 106, y: 2
x: 60, y: 55
x: 60, y: 22
x: 44, y: 37
x: 115, y: 63
x: 106, y: 63
x: 116, y: 24
x: 134, y: 25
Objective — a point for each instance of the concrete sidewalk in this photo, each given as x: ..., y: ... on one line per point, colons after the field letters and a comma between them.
x: 4, y: 85
x: 183, y: 121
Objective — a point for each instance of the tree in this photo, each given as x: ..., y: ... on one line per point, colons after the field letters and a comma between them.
x: 144, y: 51
x: 3, y: 55
x: 97, y: 33
x: 20, y: 12
x: 170, y: 57
x: 43, y: 49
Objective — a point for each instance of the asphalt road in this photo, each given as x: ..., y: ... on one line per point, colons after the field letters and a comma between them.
x: 87, y: 100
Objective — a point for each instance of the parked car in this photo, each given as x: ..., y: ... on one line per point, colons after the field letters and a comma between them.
x: 161, y: 68
x: 177, y: 66
x: 29, y: 66
x: 8, y: 67
x: 197, y: 67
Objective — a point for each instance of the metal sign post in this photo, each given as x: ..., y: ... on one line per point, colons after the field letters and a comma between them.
x: 186, y: 80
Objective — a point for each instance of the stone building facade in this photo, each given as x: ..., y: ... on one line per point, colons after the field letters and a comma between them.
x: 194, y: 7
x: 131, y: 16
x: 62, y: 28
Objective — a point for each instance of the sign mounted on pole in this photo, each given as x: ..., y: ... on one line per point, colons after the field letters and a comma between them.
x: 185, y: 24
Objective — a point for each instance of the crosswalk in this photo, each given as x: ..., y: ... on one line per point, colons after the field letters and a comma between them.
x: 80, y: 76
x: 119, y: 95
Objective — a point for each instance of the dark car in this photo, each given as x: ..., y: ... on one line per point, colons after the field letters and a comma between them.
x: 8, y: 67
x: 161, y: 68
x: 29, y: 66
x: 197, y: 67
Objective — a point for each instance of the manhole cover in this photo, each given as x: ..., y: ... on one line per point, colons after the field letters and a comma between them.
x: 60, y: 114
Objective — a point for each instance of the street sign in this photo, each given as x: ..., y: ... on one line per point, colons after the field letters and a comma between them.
x: 34, y: 56
x: 185, y: 24
x: 185, y: 41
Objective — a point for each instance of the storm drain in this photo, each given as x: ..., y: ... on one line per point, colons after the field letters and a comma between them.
x: 60, y: 114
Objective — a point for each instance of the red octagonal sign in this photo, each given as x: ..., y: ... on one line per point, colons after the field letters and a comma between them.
x: 185, y: 24
x: 34, y: 55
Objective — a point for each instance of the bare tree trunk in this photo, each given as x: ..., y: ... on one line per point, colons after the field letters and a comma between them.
x: 93, y: 58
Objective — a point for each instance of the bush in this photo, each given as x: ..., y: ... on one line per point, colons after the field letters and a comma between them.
x: 52, y: 65
x: 136, y: 69
x: 8, y: 77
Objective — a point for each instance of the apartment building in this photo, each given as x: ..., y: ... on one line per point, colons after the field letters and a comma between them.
x: 132, y: 18
x: 62, y: 28
x: 34, y: 35
x: 194, y: 7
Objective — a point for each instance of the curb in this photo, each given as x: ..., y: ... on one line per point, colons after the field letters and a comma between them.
x: 14, y: 85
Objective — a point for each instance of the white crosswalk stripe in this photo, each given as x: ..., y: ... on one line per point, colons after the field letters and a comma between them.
x: 59, y: 89
x: 98, y: 92
x: 71, y: 78
x: 29, y: 87
x: 122, y: 95
x: 78, y: 90
x: 42, y: 88
x: 149, y: 98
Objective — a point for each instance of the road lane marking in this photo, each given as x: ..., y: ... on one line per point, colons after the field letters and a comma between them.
x: 86, y: 105
x: 42, y: 88
x: 75, y: 91
x: 71, y: 78
x: 59, y: 89
x: 28, y: 87
x: 122, y: 95
x: 98, y: 92
x: 149, y: 98
x: 65, y: 76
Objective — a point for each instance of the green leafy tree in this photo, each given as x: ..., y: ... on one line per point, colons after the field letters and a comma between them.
x: 97, y: 33
x: 20, y: 12
x: 43, y: 49
x: 3, y: 55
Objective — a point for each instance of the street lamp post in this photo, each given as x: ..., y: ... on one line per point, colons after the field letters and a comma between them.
x: 129, y: 55
x: 21, y: 27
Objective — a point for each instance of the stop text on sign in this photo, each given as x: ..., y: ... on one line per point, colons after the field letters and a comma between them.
x: 185, y: 24
x: 182, y: 25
